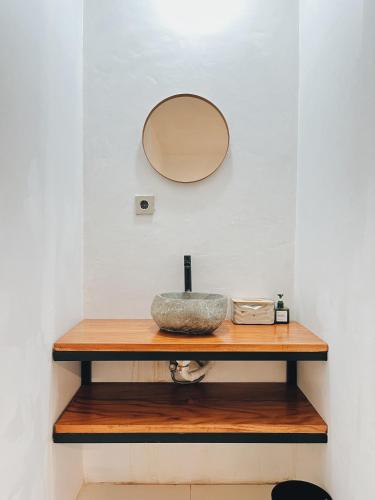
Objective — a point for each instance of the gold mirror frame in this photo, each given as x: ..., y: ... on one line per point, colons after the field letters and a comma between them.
x: 187, y: 147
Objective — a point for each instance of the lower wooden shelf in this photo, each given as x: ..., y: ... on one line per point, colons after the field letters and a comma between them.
x: 206, y: 412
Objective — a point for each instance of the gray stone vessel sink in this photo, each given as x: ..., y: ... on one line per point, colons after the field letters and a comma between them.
x: 189, y: 312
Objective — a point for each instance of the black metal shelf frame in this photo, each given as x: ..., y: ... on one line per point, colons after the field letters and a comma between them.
x: 291, y: 358
x: 86, y: 357
x: 227, y: 437
x: 167, y: 355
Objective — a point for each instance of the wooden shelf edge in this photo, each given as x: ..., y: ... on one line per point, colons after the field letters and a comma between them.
x: 182, y: 346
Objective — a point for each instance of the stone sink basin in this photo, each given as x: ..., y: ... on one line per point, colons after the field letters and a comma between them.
x: 189, y: 312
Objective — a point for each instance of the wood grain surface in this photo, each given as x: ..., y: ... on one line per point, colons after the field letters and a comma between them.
x: 142, y: 335
x: 207, y: 407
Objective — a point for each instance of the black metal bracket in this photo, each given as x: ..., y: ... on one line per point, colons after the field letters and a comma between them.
x: 291, y: 372
x: 86, y: 376
x: 86, y: 358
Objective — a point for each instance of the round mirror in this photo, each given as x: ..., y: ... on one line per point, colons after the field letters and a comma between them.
x: 185, y: 138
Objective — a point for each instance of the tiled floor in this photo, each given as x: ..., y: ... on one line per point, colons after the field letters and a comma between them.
x: 174, y: 492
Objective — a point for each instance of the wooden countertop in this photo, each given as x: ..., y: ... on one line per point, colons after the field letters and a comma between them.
x: 143, y: 335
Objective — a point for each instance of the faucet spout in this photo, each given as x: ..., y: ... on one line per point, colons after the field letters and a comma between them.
x: 187, y: 268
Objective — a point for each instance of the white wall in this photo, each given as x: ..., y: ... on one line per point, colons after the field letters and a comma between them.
x: 238, y: 224
x: 238, y: 227
x: 335, y: 242
x: 40, y: 250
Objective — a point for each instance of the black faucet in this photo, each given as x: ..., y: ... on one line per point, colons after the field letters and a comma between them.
x: 187, y: 267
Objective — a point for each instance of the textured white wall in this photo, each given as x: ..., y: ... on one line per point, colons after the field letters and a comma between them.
x: 335, y: 241
x: 40, y: 250
x: 238, y: 224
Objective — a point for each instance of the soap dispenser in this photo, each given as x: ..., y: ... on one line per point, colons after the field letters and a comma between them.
x: 281, y: 312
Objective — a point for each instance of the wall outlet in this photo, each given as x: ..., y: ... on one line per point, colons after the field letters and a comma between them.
x: 144, y: 204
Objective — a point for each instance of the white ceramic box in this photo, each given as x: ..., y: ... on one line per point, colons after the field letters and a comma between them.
x: 253, y: 311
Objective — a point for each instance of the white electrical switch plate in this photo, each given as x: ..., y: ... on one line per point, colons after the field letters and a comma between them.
x: 144, y: 205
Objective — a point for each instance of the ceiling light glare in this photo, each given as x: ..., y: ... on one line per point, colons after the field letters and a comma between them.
x: 198, y: 17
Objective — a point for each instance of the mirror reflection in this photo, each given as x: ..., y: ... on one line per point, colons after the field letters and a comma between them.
x: 185, y: 138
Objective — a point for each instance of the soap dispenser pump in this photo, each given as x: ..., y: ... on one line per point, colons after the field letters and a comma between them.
x: 281, y: 312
